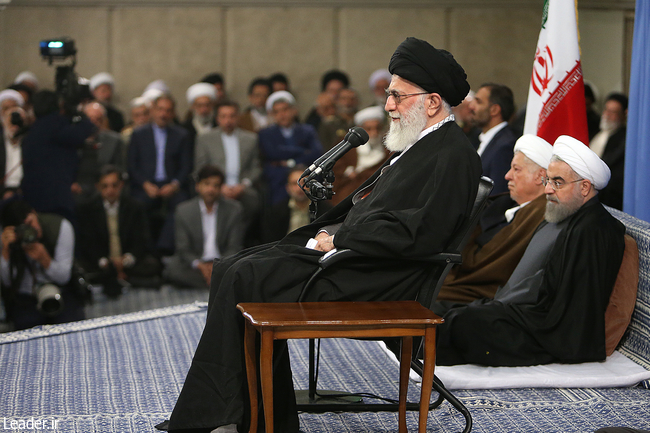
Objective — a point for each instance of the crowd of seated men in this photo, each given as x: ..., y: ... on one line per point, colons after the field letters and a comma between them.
x: 157, y: 198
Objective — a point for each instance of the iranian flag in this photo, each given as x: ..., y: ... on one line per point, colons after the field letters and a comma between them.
x: 556, y: 96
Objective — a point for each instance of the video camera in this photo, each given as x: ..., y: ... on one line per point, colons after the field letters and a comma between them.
x: 71, y: 92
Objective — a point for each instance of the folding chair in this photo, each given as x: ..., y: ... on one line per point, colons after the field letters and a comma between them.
x: 318, y: 401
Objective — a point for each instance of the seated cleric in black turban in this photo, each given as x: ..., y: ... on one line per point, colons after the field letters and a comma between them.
x: 436, y: 71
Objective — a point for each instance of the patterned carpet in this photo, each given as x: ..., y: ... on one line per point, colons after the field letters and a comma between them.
x: 123, y: 374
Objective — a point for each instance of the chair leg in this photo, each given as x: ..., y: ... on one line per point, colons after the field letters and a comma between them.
x: 404, y: 370
x: 266, y: 373
x: 312, y: 370
x: 427, y: 376
x: 251, y: 372
x: 460, y: 407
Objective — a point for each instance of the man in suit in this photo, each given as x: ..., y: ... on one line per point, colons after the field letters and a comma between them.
x: 105, y: 148
x: 492, y: 107
x: 114, y: 237
x: 159, y: 165
x: 235, y: 151
x: 285, y: 144
x: 208, y: 227
x: 255, y: 116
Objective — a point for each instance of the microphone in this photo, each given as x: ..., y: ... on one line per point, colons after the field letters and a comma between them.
x: 355, y: 137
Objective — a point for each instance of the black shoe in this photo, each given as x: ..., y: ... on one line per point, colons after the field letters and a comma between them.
x: 163, y: 425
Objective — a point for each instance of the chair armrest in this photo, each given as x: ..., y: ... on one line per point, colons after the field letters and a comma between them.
x: 454, y: 258
x: 336, y: 256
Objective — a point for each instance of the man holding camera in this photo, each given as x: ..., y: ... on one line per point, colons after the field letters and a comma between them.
x: 36, y: 264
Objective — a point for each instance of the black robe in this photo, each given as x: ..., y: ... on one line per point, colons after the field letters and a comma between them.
x: 413, y: 212
x: 566, y: 324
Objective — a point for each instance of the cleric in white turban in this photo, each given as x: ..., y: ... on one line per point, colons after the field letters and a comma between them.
x: 101, y: 78
x: 279, y: 96
x: 535, y: 148
x: 582, y: 160
x: 158, y: 85
x: 201, y: 98
x: 27, y: 78
x: 11, y: 98
x: 199, y: 90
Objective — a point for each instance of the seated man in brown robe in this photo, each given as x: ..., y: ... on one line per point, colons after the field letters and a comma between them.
x: 504, y: 230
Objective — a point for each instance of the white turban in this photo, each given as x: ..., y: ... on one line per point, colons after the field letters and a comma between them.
x: 26, y: 76
x: 370, y: 113
x: 582, y: 160
x: 14, y: 95
x: 140, y: 101
x: 159, y: 85
x: 279, y: 96
x: 379, y: 74
x: 152, y: 94
x: 535, y: 148
x: 101, y: 78
x: 200, y: 89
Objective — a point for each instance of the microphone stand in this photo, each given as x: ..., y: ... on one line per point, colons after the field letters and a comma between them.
x: 317, y: 191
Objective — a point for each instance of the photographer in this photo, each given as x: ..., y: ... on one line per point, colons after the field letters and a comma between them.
x: 50, y: 156
x: 36, y: 264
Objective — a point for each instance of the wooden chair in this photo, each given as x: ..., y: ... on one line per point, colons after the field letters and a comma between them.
x: 315, y: 401
x: 405, y: 319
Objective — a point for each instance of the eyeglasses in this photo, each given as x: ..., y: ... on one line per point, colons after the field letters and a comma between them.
x: 557, y: 184
x: 398, y: 97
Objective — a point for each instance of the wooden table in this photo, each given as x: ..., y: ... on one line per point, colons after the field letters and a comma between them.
x: 282, y: 321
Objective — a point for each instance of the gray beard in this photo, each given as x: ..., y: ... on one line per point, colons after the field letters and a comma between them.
x: 558, y: 212
x: 203, y: 120
x: 405, y: 132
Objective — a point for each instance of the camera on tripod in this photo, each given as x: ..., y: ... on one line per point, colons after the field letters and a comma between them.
x: 71, y: 92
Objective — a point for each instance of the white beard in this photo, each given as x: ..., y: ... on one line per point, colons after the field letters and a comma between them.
x: 608, y: 125
x: 405, y: 132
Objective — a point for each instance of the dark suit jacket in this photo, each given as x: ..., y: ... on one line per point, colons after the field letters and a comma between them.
x: 189, y: 230
x: 303, y: 147
x: 497, y: 157
x: 3, y: 156
x: 142, y: 156
x: 115, y: 118
x: 93, y: 239
x: 614, y: 157
x: 50, y: 160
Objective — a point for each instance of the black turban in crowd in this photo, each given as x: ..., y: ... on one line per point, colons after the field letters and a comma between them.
x: 436, y: 71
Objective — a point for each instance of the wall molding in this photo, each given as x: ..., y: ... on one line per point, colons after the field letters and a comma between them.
x: 582, y: 4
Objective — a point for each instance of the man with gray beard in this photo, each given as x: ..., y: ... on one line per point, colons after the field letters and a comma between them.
x: 552, y: 309
x: 408, y: 211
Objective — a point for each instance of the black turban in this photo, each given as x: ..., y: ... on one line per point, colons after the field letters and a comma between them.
x: 436, y: 71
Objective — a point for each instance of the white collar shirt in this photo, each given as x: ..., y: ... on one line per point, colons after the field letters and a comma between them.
x: 209, y: 226
x: 486, y: 137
